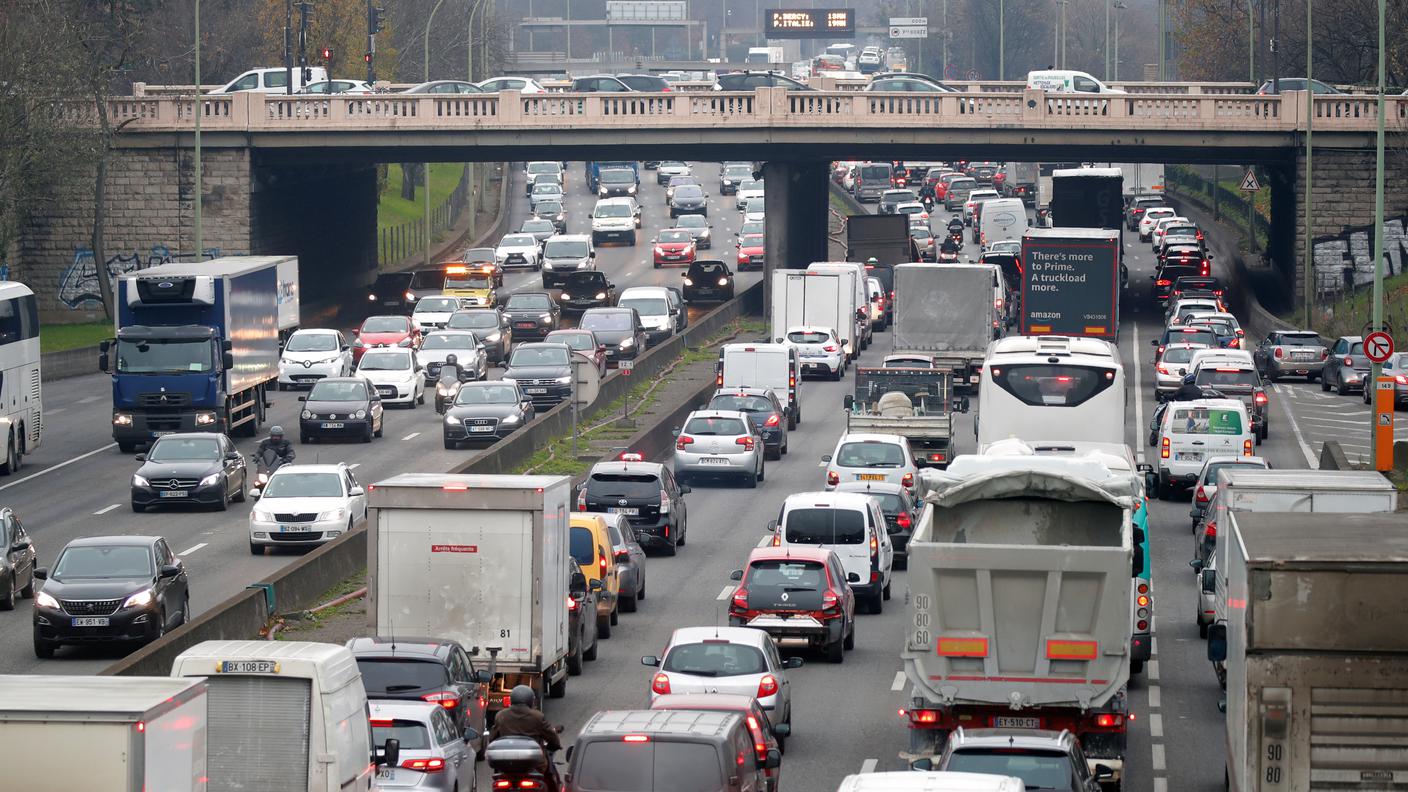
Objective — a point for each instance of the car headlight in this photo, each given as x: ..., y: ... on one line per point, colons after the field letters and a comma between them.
x: 728, y: 182
x: 545, y: 318
x: 371, y: 297
x: 410, y: 295
x: 631, y: 190
x: 509, y: 380
x: 567, y: 380
x: 723, y: 281
x: 628, y: 343
x: 335, y: 514
x: 306, y: 415
x: 360, y: 414
x: 121, y: 419
x: 601, y: 295
x: 688, y: 282
x: 262, y: 516
x: 138, y: 481
x: 205, y: 418
x: 141, y: 598
x: 46, y: 601
x: 512, y: 419
x: 209, y: 480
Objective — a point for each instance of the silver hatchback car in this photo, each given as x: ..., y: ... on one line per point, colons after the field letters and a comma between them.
x: 719, y: 443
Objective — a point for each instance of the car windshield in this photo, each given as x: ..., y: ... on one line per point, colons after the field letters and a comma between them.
x: 1220, y: 326
x: 312, y: 342
x: 707, y: 427
x: 113, y: 561
x: 751, y: 240
x: 438, y: 304
x: 486, y: 393
x: 909, y: 209
x: 519, y: 240
x: 900, y: 196
x: 715, y: 659
x: 387, y: 324
x: 870, y: 453
x: 786, y: 575
x: 1210, y: 474
x: 412, y: 735
x: 738, y: 172
x: 539, y: 356
x: 544, y: 167
x: 303, y: 485
x: 825, y: 526
x: 653, y: 306
x: 529, y: 302
x: 470, y: 281
x: 449, y: 341
x: 546, y: 188
x: 688, y: 191
x: 393, y: 281
x: 1038, y: 771
x: 165, y: 356
x: 548, y: 208
x: 474, y: 320
x: 537, y: 227
x: 1206, y: 421
x: 586, y: 279
x: 675, y: 236
x: 583, y: 546
x: 617, y: 176
x: 750, y: 184
x: 741, y: 403
x: 619, y: 766
x: 606, y: 320
x: 692, y: 221
x: 921, y: 232
x: 808, y: 337
x: 385, y: 361
x: 566, y: 248
x: 337, y: 391
x: 1191, y: 335
x: 612, y: 210
x: 1235, y: 377
x: 182, y: 449
x: 395, y: 675
x: 624, y: 485
x: 577, y: 341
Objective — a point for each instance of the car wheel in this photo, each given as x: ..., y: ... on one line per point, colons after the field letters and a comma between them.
x: 849, y: 642
x: 574, y: 660
x: 28, y: 591
x: 1340, y: 389
x: 303, y: 438
x: 138, y: 508
x: 1136, y: 666
x: 419, y: 399
x: 185, y: 611
x: 628, y: 604
x: 126, y: 447
x: 224, y: 503
x: 1366, y: 395
x: 751, y: 481
x: 1163, y: 491
x: 1324, y: 383
x: 44, y: 649
x: 836, y: 652
x: 836, y: 374
x: 603, y: 627
x: 886, y: 592
x: 670, y: 549
x: 240, y: 494
x: 380, y: 425
x: 450, y: 445
x: 792, y: 421
x: 772, y: 454
x: 877, y: 603
x: 640, y: 593
x: 367, y: 435
x: 762, y: 469
x: 657, y: 266
x: 7, y: 602
x: 589, y: 652
x: 255, y: 549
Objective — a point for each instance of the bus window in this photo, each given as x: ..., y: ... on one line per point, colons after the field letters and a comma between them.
x: 1041, y: 384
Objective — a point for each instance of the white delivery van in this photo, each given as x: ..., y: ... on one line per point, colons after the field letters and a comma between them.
x: 1195, y: 430
x: 1066, y: 81
x: 814, y: 299
x: 273, y: 80
x: 853, y: 277
x: 110, y: 733
x: 1002, y: 219
x: 776, y: 367
x: 283, y: 715
x: 850, y: 524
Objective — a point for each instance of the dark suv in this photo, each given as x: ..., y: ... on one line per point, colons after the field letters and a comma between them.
x: 532, y: 314
x: 646, y: 493
x: 389, y: 294
x: 766, y: 411
x: 438, y: 670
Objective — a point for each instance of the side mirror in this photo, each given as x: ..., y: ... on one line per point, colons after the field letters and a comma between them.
x: 303, y: 398
x: 772, y: 526
x: 852, y: 577
x: 1217, y: 642
x: 170, y: 571
x: 793, y: 662
x: 356, y: 491
x: 41, y: 573
x: 1153, y: 277
x: 1194, y: 513
x: 1153, y: 342
x: 1144, y: 467
x: 960, y: 404
x: 1209, y: 581
x: 227, y: 360
x: 922, y: 765
x: 1138, y: 563
x: 848, y: 402
x: 675, y: 432
x: 826, y: 458
x: 103, y: 362
x: 772, y: 760
x: 1196, y: 564
x: 470, y: 735
x: 140, y: 457
x: 1103, y: 772
x: 596, y: 585
x: 650, y: 660
x: 736, y: 574
x: 390, y: 753
x: 685, y: 488
x: 233, y: 456
x: 782, y: 730
x: 483, y: 677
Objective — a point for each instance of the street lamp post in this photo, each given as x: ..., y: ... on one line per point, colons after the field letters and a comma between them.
x: 1251, y: 45
x: 199, y: 109
x: 1119, y: 6
x: 1309, y: 261
x: 425, y: 166
x: 1107, y: 40
x: 1001, y: 40
x: 1064, y: 30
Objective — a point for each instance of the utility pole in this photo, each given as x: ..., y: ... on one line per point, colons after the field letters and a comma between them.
x: 943, y: 73
x: 425, y: 166
x: 1308, y: 262
x: 1001, y: 39
x: 1378, y: 226
x: 288, y: 46
x: 1107, y: 40
x: 1163, y: 53
x: 1251, y: 46
x: 1119, y: 6
x: 1276, y: 50
x: 1064, y: 30
x: 305, y: 9
x: 200, y: 110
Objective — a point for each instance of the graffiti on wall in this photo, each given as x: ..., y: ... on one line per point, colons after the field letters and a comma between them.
x: 1347, y: 260
x: 78, y: 286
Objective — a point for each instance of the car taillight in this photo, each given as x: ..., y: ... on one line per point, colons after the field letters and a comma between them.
x: 1210, y: 531
x: 444, y: 698
x: 740, y: 598
x: 773, y: 420
x: 1246, y: 448
x: 832, y: 478
x: 830, y: 348
x: 433, y: 764
x: 1349, y: 361
x: 830, y: 600
x: 1108, y: 721
x: 1400, y: 379
x: 1163, y: 282
x: 683, y: 441
x: 664, y: 503
x: 874, y: 546
x: 1201, y: 496
x: 602, y: 565
x: 571, y: 604
x: 581, y: 500
x: 1163, y: 451
x: 1259, y: 398
x: 1161, y: 369
x: 767, y: 686
x: 1206, y: 269
x: 903, y: 520
x: 1278, y: 353
x: 907, y: 480
x: 1324, y: 354
x: 660, y: 684
x: 746, y: 442
x: 1160, y: 351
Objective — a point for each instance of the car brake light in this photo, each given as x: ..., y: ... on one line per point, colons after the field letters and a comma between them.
x: 582, y: 499
x: 746, y: 442
x: 767, y: 686
x: 1161, y: 369
x: 1210, y: 531
x: 903, y: 521
x: 571, y: 604
x: 683, y: 441
x: 1324, y: 354
x: 832, y: 478
x: 740, y: 598
x: 1400, y: 379
x: 602, y: 564
x: 636, y: 738
x: 773, y: 420
x: 1201, y: 495
x: 444, y: 698
x: 1163, y: 282
x: 1246, y: 448
x: 1278, y: 352
x: 1106, y: 720
x: 874, y: 546
x: 1349, y: 361
x: 660, y: 684
x: 1163, y: 452
x: 1259, y: 398
x: 431, y: 765
x: 924, y: 716
x: 829, y: 600
x: 907, y: 480
x: 830, y: 348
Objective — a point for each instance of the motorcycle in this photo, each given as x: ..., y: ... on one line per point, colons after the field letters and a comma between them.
x: 265, y: 465
x: 517, y: 762
x: 447, y: 388
x: 947, y: 258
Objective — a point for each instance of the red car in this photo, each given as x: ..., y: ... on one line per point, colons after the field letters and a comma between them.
x: 750, y: 252
x: 674, y: 247
x: 385, y: 331
x: 798, y: 594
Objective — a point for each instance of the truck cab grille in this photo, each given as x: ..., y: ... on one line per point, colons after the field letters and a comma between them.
x: 163, y: 400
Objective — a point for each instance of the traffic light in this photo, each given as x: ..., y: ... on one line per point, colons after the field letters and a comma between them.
x: 367, y: 57
x: 376, y: 19
x: 327, y: 54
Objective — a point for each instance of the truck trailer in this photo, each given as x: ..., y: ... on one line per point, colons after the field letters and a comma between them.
x: 817, y: 299
x: 197, y: 346
x: 482, y: 559
x: 950, y: 313
x: 1071, y: 282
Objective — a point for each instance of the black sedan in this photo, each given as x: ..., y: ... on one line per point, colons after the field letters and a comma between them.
x: 491, y: 327
x: 689, y: 199
x: 532, y: 315
x: 18, y: 559
x: 110, y: 589
x: 341, y: 407
x: 485, y: 411
x: 543, y: 372
x: 190, y: 467
x: 584, y: 289
x: 708, y: 281
x: 618, y: 329
x: 391, y: 294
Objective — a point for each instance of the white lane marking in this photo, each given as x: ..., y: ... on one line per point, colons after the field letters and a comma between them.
x: 64, y: 463
x: 1152, y: 670
x: 55, y: 411
x: 868, y: 766
x: 192, y: 549
x: 726, y: 593
x: 1156, y: 726
x: 898, y: 684
x: 1154, y: 697
x: 107, y: 509
x: 1154, y: 645
x: 765, y: 541
x: 1138, y: 398
x: 87, y: 399
x: 1159, y: 761
x: 1160, y: 784
x: 411, y: 436
x: 1310, y: 461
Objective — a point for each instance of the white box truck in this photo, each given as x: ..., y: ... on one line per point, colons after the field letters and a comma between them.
x: 817, y: 299
x: 478, y: 558
x: 1317, y: 654
x: 948, y: 312
x: 115, y: 734
x: 283, y: 715
x: 776, y: 367
x: 853, y: 277
x: 1020, y: 575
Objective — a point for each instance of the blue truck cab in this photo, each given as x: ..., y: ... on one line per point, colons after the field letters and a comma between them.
x: 593, y: 171
x: 197, y: 345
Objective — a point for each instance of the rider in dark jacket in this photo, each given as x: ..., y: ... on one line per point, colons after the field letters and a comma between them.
x: 522, y: 719
x: 275, y: 441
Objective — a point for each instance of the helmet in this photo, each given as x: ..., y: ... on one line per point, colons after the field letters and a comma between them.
x: 1189, y: 379
x: 276, y: 431
x: 451, y: 360
x: 522, y: 694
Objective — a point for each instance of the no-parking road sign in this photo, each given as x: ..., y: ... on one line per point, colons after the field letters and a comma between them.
x: 1378, y: 346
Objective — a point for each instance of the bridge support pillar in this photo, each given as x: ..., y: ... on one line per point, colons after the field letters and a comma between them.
x: 797, y: 203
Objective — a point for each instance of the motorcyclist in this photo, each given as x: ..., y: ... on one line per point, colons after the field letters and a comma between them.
x: 450, y: 369
x: 955, y: 226
x: 524, y: 719
x: 1188, y: 390
x: 951, y: 245
x: 275, y: 442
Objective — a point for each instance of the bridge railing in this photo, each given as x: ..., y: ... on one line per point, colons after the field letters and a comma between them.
x: 767, y: 107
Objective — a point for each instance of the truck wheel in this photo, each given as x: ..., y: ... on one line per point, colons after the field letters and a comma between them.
x: 558, y: 689
x: 12, y: 457
x: 126, y: 447
x: 574, y: 661
x: 1136, y: 666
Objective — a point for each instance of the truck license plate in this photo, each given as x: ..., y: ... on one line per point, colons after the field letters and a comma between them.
x: 90, y: 621
x: 1016, y: 723
x: 175, y: 494
x: 332, y: 424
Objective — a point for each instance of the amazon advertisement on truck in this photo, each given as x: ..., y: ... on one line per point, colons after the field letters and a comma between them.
x: 1071, y: 283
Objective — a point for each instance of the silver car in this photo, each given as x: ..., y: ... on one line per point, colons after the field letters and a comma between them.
x: 719, y: 443
x: 434, y: 755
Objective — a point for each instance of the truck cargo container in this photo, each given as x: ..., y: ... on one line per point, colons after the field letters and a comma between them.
x: 884, y: 238
x: 115, y: 734
x: 852, y: 277
x: 481, y: 559
x: 1021, y: 181
x: 817, y: 299
x: 1020, y: 575
x: 1316, y: 652
x: 1090, y: 198
x: 949, y: 312
x: 197, y: 345
x: 1071, y: 282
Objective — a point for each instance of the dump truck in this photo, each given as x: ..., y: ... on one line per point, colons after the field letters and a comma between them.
x: 913, y: 402
x: 950, y: 313
x: 1317, y: 652
x: 1020, y: 577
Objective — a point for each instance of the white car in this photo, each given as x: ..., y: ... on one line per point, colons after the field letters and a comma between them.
x: 749, y: 190
x: 652, y: 303
x: 818, y: 349
x: 1156, y: 231
x: 436, y: 756
x: 1179, y: 310
x: 1214, y: 356
x: 871, y: 457
x: 671, y: 168
x: 306, y: 505
x: 432, y: 312
x: 615, y: 219
x: 738, y: 660
x: 397, y: 375
x: 1193, y: 431
x: 526, y: 85
x: 913, y: 210
x: 313, y: 354
x: 519, y: 250
x: 463, y: 344
x: 1151, y: 216
x: 1175, y: 364
x: 755, y: 215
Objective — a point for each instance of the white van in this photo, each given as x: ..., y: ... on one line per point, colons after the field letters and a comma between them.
x: 273, y: 80
x: 776, y: 367
x: 937, y: 781
x: 281, y: 712
x: 1195, y: 430
x: 1066, y: 81
x: 852, y: 525
x: 853, y: 277
x: 1002, y: 219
